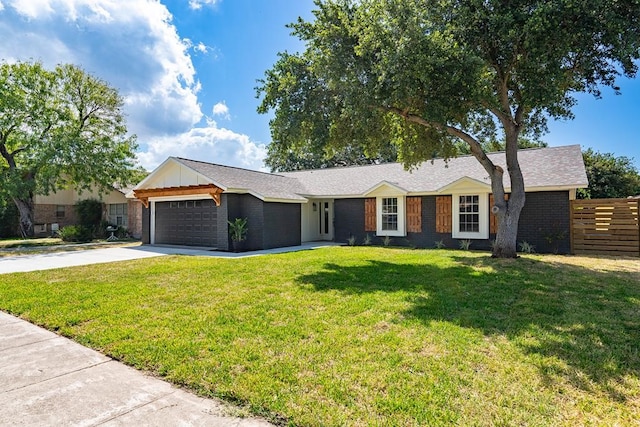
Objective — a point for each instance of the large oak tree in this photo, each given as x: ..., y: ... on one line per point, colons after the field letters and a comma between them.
x: 59, y: 128
x: 426, y: 75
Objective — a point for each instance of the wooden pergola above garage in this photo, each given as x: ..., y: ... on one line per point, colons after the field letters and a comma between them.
x: 190, y: 190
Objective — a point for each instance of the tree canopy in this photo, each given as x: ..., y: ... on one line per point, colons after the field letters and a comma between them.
x: 427, y: 75
x: 59, y: 128
x: 609, y: 176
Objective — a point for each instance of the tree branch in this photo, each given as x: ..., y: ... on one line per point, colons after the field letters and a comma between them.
x: 474, y: 145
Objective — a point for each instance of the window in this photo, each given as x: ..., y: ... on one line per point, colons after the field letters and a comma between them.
x: 470, y: 216
x: 469, y: 221
x: 60, y: 211
x: 390, y: 213
x: 118, y: 214
x: 390, y: 219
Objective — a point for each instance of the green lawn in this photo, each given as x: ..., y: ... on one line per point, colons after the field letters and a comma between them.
x: 366, y: 336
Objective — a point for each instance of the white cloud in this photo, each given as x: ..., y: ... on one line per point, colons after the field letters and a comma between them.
x: 135, y: 47
x: 201, y: 47
x: 198, y: 4
x: 210, y: 144
x: 221, y: 109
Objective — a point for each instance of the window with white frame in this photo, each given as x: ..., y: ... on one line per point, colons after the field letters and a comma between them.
x: 390, y: 216
x: 390, y: 213
x: 470, y: 216
x: 118, y: 214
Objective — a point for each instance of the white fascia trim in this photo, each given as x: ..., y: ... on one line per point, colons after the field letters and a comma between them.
x: 184, y: 197
x: 451, y: 187
x: 483, y: 212
x: 401, y: 231
x: 152, y: 222
x: 392, y: 186
x: 275, y: 200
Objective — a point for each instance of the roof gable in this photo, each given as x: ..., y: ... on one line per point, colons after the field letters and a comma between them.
x: 172, y: 173
x: 465, y: 185
x: 385, y: 188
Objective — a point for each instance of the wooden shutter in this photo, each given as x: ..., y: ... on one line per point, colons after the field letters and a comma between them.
x: 443, y: 214
x: 414, y: 214
x: 370, y: 214
x: 493, y: 218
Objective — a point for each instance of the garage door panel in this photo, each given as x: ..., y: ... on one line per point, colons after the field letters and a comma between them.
x: 189, y: 223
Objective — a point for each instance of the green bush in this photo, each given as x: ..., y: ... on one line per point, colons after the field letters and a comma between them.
x: 76, y: 233
x: 90, y: 214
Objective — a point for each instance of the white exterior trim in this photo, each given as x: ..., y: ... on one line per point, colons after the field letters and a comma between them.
x: 383, y: 188
x: 465, y: 184
x: 483, y: 217
x: 152, y: 222
x: 401, y: 231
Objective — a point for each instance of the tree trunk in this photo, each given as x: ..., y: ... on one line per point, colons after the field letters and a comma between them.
x: 508, y: 211
x: 25, y: 208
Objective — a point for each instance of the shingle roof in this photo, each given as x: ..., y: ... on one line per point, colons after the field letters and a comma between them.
x: 542, y: 168
x: 261, y: 184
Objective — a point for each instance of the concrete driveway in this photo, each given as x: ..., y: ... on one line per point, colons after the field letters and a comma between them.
x: 47, y: 261
x: 50, y: 260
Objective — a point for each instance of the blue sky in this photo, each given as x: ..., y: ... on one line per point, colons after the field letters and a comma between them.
x: 187, y: 70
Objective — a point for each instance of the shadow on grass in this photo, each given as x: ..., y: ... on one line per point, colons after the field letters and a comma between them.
x: 589, y: 320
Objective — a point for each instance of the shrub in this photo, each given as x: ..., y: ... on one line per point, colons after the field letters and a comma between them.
x: 465, y: 244
x: 527, y: 248
x: 386, y: 241
x: 89, y: 213
x: 440, y: 244
x: 76, y: 233
x: 367, y: 240
x: 351, y: 241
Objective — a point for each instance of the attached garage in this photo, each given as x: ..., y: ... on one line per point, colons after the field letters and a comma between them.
x: 189, y: 203
x: 187, y: 223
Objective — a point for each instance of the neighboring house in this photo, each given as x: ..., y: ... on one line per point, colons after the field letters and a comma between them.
x: 56, y: 210
x: 189, y: 202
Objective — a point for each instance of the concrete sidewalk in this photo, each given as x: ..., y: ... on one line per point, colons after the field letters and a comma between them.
x: 47, y: 261
x: 48, y: 380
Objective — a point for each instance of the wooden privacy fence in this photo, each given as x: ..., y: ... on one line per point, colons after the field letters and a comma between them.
x: 605, y: 227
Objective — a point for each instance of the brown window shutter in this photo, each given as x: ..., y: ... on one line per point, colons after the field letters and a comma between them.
x: 370, y: 214
x: 443, y: 214
x: 493, y: 219
x: 414, y: 214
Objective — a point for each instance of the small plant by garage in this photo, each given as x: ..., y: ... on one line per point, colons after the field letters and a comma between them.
x: 238, y: 231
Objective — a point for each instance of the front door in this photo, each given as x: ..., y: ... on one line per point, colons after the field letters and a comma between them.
x: 325, y: 219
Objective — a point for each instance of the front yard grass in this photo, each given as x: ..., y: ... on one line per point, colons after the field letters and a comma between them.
x: 366, y: 336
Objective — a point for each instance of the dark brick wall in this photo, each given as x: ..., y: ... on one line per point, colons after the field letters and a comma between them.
x: 282, y: 225
x: 545, y: 222
x: 348, y: 218
x: 247, y: 206
x: 146, y: 225
x: 544, y: 217
x: 223, y: 226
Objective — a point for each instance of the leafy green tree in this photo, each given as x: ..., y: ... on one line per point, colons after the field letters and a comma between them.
x: 8, y: 217
x: 609, y: 176
x: 281, y: 158
x: 58, y: 129
x: 425, y: 75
